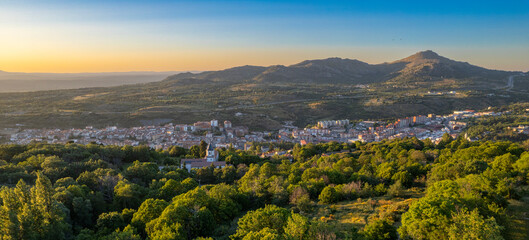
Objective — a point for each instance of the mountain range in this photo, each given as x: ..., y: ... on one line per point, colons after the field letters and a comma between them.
x: 265, y: 97
x: 422, y: 66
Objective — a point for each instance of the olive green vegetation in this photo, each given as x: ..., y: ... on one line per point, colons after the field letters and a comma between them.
x: 406, y: 188
x: 267, y: 96
x: 500, y: 127
x: 262, y: 108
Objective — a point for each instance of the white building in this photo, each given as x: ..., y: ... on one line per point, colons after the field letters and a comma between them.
x: 227, y: 124
x: 212, y: 158
x: 214, y: 123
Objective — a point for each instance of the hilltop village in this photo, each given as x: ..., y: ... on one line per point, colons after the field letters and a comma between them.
x: 223, y: 134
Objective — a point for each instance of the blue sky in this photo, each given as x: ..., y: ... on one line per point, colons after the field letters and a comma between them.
x: 66, y: 36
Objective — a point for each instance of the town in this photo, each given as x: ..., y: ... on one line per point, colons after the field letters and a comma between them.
x: 223, y: 134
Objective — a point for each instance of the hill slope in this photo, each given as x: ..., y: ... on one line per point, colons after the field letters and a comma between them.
x: 304, y: 92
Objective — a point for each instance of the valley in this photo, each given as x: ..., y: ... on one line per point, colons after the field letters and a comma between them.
x: 264, y: 97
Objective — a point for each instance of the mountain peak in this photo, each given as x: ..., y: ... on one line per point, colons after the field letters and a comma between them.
x: 424, y: 55
x: 427, y: 54
x: 333, y: 61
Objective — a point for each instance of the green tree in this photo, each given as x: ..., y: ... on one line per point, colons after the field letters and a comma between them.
x: 202, y: 223
x: 142, y: 172
x: 203, y: 147
x: 522, y: 164
x: 54, y: 167
x: 297, y: 227
x: 32, y: 213
x: 228, y: 201
x: 271, y: 217
x: 471, y: 225
x: 264, y: 234
x: 328, y: 195
x: 128, y: 195
x: 177, y: 151
x: 189, y: 213
x: 380, y: 230
x: 89, y: 179
x: 195, y: 151
x: 170, y: 224
x: 121, y: 235
x: 109, y: 222
x: 149, y: 210
x: 430, y: 216
x: 82, y: 211
x: 170, y: 189
x: 51, y: 218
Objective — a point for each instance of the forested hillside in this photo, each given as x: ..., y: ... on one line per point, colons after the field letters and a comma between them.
x: 409, y: 188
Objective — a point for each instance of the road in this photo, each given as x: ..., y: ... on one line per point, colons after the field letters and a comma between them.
x: 510, y: 83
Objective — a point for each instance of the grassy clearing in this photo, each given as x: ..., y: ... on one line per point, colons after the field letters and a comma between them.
x: 357, y: 213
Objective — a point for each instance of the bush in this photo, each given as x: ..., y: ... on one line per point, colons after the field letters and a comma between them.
x: 396, y: 190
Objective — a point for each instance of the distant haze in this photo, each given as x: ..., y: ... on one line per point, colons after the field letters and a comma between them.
x: 25, y: 82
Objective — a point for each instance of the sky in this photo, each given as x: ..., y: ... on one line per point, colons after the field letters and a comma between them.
x: 116, y: 36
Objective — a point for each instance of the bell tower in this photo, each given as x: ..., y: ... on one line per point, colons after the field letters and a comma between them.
x: 212, y: 155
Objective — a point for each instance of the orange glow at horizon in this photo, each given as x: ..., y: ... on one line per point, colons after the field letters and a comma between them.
x: 204, y: 60
x: 107, y: 36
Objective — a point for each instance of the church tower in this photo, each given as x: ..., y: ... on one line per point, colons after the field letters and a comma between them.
x: 212, y: 155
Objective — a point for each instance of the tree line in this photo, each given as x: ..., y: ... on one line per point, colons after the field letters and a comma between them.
x: 70, y: 191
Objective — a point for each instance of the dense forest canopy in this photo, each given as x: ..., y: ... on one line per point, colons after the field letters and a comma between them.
x: 405, y: 188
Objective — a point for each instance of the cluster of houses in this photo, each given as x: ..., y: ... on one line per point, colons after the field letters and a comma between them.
x: 159, y: 137
x: 422, y: 126
x: 520, y: 129
x: 224, y: 134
